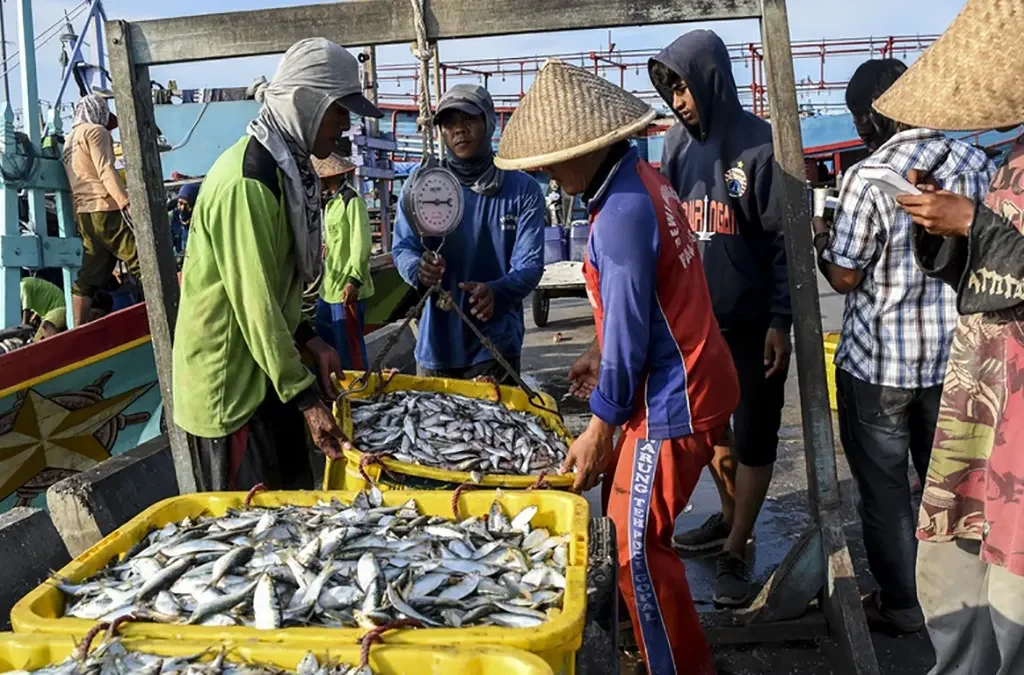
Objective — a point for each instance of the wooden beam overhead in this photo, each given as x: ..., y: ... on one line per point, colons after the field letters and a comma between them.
x: 362, y: 22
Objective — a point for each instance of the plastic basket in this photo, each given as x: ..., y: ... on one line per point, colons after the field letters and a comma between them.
x: 555, y: 641
x: 406, y: 476
x: 32, y: 652
x: 831, y: 341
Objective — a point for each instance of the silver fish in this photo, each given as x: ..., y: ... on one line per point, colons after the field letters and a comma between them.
x: 334, y: 564
x: 456, y: 433
x: 222, y: 604
x: 265, y: 605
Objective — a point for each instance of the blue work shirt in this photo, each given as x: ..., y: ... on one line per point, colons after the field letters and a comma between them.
x: 500, y: 242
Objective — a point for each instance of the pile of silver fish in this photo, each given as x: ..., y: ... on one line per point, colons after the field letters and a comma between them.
x: 455, y: 433
x: 113, y: 658
x: 333, y: 565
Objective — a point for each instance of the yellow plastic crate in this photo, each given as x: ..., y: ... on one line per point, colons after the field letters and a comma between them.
x: 555, y: 641
x: 32, y: 652
x: 831, y: 342
x: 346, y: 476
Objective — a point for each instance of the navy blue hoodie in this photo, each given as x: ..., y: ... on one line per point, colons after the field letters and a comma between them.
x: 723, y: 172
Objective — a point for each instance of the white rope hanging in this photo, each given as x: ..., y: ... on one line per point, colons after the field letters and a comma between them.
x: 423, y: 53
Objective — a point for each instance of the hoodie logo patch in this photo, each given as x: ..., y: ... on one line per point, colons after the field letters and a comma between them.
x: 736, y: 182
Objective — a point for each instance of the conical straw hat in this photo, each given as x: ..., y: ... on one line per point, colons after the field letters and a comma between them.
x: 334, y: 165
x: 568, y: 112
x: 971, y: 78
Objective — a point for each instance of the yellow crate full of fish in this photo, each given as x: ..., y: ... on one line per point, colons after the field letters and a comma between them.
x: 463, y: 433
x: 316, y: 569
x: 56, y: 655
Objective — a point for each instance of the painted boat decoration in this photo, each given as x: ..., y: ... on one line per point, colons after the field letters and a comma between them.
x: 71, y: 402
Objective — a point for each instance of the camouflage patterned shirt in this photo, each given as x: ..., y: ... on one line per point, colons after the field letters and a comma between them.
x: 975, y: 483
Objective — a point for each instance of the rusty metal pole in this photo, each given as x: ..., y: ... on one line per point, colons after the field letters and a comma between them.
x: 373, y: 130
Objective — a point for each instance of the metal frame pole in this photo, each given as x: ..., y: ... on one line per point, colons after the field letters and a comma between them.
x: 370, y: 88
x: 99, y: 17
x: 30, y: 107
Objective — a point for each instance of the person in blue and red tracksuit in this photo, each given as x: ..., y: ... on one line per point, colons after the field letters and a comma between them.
x: 660, y: 368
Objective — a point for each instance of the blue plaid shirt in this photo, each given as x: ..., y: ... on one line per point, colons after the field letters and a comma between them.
x: 898, y: 324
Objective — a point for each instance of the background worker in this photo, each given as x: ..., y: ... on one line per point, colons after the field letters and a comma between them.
x: 100, y: 200
x: 181, y: 216
x: 492, y: 260
x: 240, y: 387
x: 970, y: 562
x: 719, y: 158
x: 39, y: 297
x: 346, y: 283
x: 897, y: 329
x: 664, y: 374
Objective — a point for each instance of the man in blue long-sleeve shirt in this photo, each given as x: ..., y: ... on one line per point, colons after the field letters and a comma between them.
x: 492, y: 260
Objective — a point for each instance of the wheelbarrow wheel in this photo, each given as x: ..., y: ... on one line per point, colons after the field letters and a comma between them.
x: 600, y: 650
x: 541, y: 305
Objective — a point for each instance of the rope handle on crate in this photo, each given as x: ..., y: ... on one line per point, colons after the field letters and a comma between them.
x: 370, y: 458
x: 458, y: 493
x: 490, y: 379
x: 542, y: 482
x: 258, y: 487
x: 375, y: 635
x: 82, y: 652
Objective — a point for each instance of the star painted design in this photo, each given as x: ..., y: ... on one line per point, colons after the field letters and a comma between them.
x: 45, y: 434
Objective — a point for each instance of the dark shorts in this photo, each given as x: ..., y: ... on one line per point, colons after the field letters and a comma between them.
x: 271, y: 448
x: 106, y: 239
x: 486, y: 369
x: 757, y: 418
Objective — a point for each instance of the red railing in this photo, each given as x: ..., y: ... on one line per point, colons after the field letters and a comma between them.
x: 615, y: 64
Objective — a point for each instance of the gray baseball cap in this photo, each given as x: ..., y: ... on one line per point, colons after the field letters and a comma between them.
x: 456, y: 99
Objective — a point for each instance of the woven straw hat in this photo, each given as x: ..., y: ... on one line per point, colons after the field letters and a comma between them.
x: 568, y: 112
x: 334, y: 165
x: 971, y: 78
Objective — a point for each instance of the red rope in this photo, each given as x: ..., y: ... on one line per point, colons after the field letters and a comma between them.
x: 369, y: 458
x: 458, y: 493
x: 490, y: 379
x: 83, y: 647
x: 375, y: 635
x: 258, y: 487
x: 541, y: 483
x: 116, y: 623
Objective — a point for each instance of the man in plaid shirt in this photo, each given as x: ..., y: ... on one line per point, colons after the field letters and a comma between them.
x: 897, y: 330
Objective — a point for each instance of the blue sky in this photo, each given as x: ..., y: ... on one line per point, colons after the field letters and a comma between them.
x: 809, y: 19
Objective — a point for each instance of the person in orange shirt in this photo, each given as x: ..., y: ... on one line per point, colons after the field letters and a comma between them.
x: 100, y: 202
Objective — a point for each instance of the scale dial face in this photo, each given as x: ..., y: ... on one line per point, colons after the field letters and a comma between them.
x: 436, y: 201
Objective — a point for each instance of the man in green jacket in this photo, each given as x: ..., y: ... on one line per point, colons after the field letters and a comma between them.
x: 240, y: 387
x: 347, y: 283
x: 39, y: 297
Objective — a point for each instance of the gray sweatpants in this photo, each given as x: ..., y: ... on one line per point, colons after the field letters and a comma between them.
x: 974, y: 611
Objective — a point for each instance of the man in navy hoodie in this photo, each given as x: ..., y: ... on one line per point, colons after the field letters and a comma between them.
x: 719, y: 158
